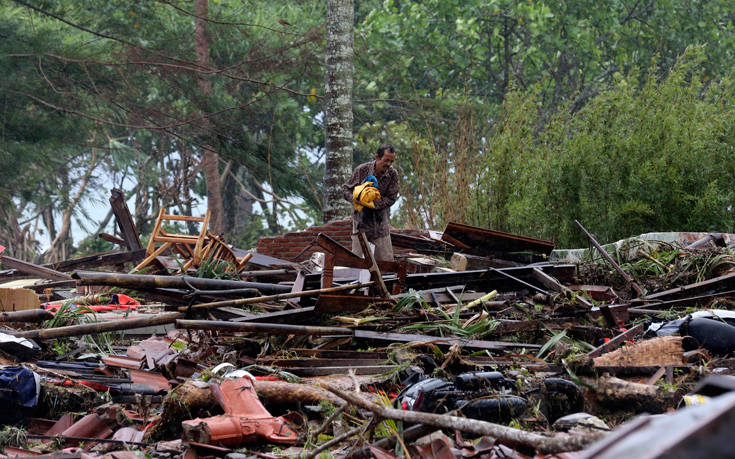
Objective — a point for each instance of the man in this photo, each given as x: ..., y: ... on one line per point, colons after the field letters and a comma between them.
x: 374, y: 222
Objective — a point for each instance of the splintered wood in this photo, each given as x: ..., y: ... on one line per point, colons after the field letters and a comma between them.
x: 662, y: 351
x: 195, y: 250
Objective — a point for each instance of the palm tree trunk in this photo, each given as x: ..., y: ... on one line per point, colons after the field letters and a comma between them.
x: 338, y: 109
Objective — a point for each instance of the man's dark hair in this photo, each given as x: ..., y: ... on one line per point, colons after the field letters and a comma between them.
x: 383, y: 148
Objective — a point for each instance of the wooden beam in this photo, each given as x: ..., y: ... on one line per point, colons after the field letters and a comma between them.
x: 442, y: 341
x: 33, y: 269
x: 616, y: 341
x: 124, y: 220
x: 372, y: 266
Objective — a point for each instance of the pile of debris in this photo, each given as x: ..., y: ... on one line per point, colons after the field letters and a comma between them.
x: 470, y: 344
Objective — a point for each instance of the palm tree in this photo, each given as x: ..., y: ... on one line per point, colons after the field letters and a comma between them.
x: 338, y: 106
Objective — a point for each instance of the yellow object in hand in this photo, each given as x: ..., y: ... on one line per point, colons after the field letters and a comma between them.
x: 363, y: 196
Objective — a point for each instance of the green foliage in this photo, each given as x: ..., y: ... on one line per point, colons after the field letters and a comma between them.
x: 13, y: 436
x: 68, y: 314
x: 514, y: 115
x: 637, y: 158
x: 451, y: 324
x: 412, y: 298
x: 551, y: 343
x: 132, y: 102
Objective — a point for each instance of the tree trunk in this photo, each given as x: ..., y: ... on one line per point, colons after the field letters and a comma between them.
x: 210, y: 157
x: 338, y: 107
x: 61, y: 244
x: 238, y: 205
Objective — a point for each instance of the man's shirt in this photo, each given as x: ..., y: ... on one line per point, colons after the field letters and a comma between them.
x: 374, y: 223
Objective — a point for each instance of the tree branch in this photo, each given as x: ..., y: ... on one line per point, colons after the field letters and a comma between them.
x: 510, y: 435
x: 214, y: 21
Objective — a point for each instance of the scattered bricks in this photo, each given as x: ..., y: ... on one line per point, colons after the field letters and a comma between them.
x: 288, y: 246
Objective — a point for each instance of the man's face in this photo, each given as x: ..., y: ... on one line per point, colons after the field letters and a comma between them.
x: 384, y: 163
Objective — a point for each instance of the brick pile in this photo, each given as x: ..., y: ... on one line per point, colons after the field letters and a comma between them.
x: 287, y: 246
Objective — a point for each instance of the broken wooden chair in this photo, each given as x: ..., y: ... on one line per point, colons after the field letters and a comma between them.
x: 195, y: 249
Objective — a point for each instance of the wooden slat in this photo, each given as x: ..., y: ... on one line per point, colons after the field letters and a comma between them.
x: 124, y: 220
x: 33, y: 269
x: 468, y: 343
x: 616, y: 341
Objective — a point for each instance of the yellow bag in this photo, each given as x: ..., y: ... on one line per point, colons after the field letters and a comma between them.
x: 364, y: 195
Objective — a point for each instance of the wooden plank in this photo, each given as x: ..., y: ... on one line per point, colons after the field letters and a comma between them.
x: 339, y: 354
x: 39, y: 288
x: 556, y: 286
x: 628, y: 278
x: 112, y: 239
x: 372, y: 266
x: 616, y: 341
x: 150, y: 257
x: 548, y: 281
x: 336, y: 370
x: 521, y: 282
x: 656, y: 376
x: 485, y: 241
x: 33, y: 269
x: 18, y: 299
x: 266, y: 328
x: 467, y: 343
x: 124, y: 220
x: 726, y: 282
x: 344, y: 303
x: 290, y: 316
x: 96, y: 260
x: 486, y: 279
x: 310, y: 363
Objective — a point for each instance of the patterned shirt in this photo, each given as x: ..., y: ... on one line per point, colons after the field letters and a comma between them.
x: 374, y: 223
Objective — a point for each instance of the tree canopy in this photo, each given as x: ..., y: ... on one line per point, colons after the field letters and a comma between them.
x: 513, y: 115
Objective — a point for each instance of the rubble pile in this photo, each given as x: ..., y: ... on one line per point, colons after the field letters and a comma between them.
x: 471, y: 344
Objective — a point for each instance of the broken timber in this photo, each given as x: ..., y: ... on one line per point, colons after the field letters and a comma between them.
x: 616, y: 341
x: 609, y: 259
x: 29, y: 315
x: 282, y: 296
x: 482, y: 279
x: 254, y: 327
x: 347, y: 332
x: 338, y: 255
x: 100, y: 327
x: 710, y: 285
x: 33, y: 269
x: 373, y: 266
x: 124, y: 220
x: 485, y: 242
x: 182, y: 282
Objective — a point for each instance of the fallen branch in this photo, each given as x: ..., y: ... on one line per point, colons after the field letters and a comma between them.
x: 28, y: 315
x: 514, y: 437
x: 281, y: 392
x: 315, y: 452
x: 100, y: 327
x: 328, y: 422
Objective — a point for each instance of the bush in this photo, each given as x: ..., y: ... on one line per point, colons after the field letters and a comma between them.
x: 654, y: 156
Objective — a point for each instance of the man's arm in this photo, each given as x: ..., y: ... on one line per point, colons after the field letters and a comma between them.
x: 351, y: 184
x: 388, y: 198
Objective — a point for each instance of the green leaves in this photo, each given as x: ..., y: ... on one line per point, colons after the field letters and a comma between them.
x: 551, y: 343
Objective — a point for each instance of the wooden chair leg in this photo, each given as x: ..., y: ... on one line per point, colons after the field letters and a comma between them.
x: 156, y: 229
x: 150, y: 257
